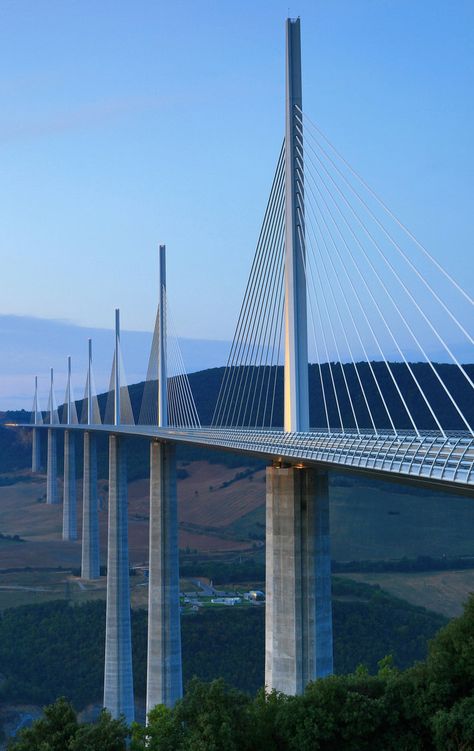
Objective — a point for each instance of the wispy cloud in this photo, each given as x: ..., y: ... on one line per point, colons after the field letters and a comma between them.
x: 90, y: 115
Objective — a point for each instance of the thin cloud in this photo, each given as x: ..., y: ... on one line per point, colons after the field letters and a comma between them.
x: 88, y: 116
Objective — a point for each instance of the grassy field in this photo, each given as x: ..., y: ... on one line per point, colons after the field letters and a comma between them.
x: 443, y: 592
x: 379, y: 520
x: 222, y: 513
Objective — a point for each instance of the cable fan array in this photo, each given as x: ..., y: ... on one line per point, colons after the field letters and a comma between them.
x: 388, y: 326
x: 126, y: 411
x: 182, y: 410
x: 252, y: 376
x: 374, y: 290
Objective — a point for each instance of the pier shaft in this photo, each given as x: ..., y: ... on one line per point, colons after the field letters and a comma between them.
x: 164, y: 674
x: 118, y: 678
x: 298, y: 630
x: 52, y: 496
x: 35, y: 450
x: 90, y: 564
x: 69, y: 499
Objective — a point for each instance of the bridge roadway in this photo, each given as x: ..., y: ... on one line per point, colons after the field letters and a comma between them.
x: 428, y: 459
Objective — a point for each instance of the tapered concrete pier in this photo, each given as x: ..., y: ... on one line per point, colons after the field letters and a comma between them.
x: 90, y: 564
x: 35, y: 450
x: 52, y: 496
x: 298, y: 631
x: 118, y: 679
x: 69, y: 500
x: 164, y: 672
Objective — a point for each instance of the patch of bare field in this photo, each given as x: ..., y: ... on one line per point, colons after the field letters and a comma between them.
x: 210, y: 543
x: 203, y: 500
x: 444, y: 592
x: 23, y: 512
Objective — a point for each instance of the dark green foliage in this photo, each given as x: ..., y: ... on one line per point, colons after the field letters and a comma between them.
x: 227, y: 643
x: 106, y: 734
x: 210, y: 717
x: 251, y: 570
x: 405, y: 565
x: 429, y: 707
x: 57, y: 649
x: 52, y: 649
x: 453, y: 729
x: 163, y: 733
x: 370, y: 624
x: 53, y: 732
x: 450, y: 663
x: 59, y: 730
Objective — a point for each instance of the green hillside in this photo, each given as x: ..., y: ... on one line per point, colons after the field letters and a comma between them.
x: 56, y: 649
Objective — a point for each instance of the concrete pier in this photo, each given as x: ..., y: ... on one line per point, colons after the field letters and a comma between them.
x: 69, y: 500
x: 52, y: 496
x: 90, y: 564
x: 164, y: 673
x: 298, y: 630
x: 35, y: 450
x: 118, y: 679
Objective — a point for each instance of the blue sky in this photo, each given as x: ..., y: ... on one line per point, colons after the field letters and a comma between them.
x: 125, y: 124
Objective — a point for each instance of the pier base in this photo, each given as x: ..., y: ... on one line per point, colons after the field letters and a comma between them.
x: 298, y: 630
x: 118, y: 678
x: 69, y: 500
x: 164, y: 673
x: 90, y: 564
x: 52, y: 496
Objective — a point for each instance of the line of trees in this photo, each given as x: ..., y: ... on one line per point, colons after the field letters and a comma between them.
x: 56, y: 649
x: 428, y: 707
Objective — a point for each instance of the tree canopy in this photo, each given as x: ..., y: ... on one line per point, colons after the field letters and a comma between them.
x: 428, y: 707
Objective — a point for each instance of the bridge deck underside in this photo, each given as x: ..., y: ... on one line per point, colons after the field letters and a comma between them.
x: 430, y: 458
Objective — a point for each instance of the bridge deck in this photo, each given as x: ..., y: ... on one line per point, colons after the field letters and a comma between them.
x: 428, y: 458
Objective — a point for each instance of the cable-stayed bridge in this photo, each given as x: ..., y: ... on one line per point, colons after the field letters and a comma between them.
x: 339, y: 281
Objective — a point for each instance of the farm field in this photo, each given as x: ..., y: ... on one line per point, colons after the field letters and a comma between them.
x: 222, y: 515
x: 442, y: 592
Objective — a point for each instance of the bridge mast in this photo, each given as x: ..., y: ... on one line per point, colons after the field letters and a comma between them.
x: 117, y: 369
x: 162, y: 374
x: 296, y: 416
x: 298, y: 622
x: 164, y: 673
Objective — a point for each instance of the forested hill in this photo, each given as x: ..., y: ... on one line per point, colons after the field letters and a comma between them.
x: 205, y: 385
x: 55, y: 648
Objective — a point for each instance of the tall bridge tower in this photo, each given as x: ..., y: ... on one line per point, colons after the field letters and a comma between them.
x: 298, y: 625
x: 164, y: 674
x: 296, y: 388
